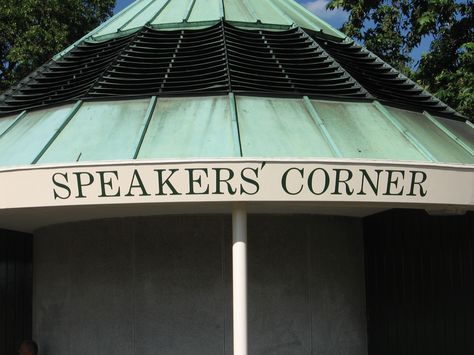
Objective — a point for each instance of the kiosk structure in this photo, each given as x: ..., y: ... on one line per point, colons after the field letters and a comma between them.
x: 232, y: 177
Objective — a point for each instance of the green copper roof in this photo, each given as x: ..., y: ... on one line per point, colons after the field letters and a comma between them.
x: 177, y: 14
x: 184, y: 13
x: 230, y: 126
x: 168, y: 79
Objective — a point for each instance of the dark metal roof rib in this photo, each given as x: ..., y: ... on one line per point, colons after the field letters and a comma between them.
x: 217, y: 60
x: 167, y: 62
x: 380, y: 79
x: 63, y: 80
x: 285, y: 62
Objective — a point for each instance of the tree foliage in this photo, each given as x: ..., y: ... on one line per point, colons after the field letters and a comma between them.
x: 32, y: 31
x: 393, y: 29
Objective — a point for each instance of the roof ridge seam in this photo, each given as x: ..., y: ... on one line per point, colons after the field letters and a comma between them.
x: 272, y: 52
x: 56, y: 134
x: 281, y: 12
x: 251, y: 9
x: 448, y: 132
x: 170, y: 64
x: 222, y: 9
x: 150, y: 21
x: 306, y: 12
x: 189, y: 10
x: 227, y: 63
x: 405, y: 132
x: 126, y: 23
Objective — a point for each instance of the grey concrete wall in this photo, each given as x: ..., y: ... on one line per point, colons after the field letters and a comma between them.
x: 306, y: 286
x: 162, y: 285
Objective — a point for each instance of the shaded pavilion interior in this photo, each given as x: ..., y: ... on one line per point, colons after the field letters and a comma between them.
x: 225, y: 79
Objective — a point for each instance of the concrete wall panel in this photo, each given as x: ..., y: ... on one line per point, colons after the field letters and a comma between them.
x: 100, y: 298
x: 51, y: 290
x: 279, y: 317
x: 179, y: 292
x: 162, y: 285
x: 83, y: 294
x: 337, y: 287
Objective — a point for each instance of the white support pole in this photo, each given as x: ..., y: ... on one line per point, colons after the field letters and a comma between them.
x: 239, y: 278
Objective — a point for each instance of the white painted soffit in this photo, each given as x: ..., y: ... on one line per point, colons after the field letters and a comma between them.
x: 34, y: 196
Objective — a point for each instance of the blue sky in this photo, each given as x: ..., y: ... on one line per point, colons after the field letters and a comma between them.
x: 335, y: 18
